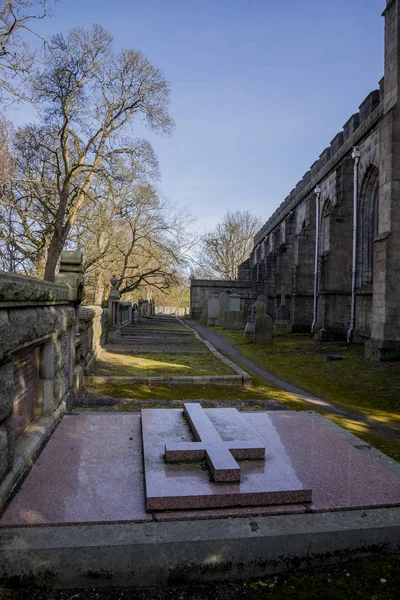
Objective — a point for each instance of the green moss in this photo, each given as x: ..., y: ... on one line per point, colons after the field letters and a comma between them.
x: 183, y: 392
x: 366, y: 387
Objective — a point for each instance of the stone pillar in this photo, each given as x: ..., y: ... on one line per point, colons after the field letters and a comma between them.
x: 385, y: 333
x: 114, y: 330
x: 70, y: 273
x: 130, y: 312
x: 301, y: 309
x: 141, y: 308
x: 135, y: 313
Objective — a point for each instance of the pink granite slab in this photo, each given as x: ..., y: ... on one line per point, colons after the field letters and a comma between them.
x: 187, y: 486
x: 90, y: 471
x: 219, y: 454
x: 340, y: 475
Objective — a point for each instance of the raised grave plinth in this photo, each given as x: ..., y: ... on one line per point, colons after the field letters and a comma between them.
x: 175, y: 443
x: 91, y: 471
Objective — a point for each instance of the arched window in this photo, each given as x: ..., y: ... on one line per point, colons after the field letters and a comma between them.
x: 368, y: 226
x: 325, y: 227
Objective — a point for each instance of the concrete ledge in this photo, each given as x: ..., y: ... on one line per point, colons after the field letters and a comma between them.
x: 27, y: 447
x: 158, y: 554
x: 235, y: 380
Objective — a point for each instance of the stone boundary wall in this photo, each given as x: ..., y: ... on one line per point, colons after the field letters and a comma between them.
x: 202, y: 289
x: 354, y: 130
x: 172, y: 310
x: 37, y: 358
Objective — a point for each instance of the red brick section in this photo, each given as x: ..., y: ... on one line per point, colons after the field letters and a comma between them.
x: 26, y: 388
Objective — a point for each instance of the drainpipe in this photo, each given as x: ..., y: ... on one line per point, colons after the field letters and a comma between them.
x: 356, y: 157
x: 316, y: 263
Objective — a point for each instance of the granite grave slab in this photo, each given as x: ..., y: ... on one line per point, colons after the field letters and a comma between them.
x: 171, y: 486
x: 220, y: 455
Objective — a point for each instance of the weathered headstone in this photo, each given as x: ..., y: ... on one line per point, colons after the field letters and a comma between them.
x: 260, y: 307
x: 263, y: 298
x: 223, y: 300
x: 234, y: 303
x: 282, y: 314
x: 204, y: 311
x: 213, y: 307
x: 263, y: 330
x: 249, y: 329
x: 234, y: 319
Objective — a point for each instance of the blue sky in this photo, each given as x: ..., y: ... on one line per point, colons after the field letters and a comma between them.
x: 258, y: 87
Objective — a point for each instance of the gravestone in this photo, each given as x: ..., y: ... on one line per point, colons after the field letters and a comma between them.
x: 260, y: 307
x: 263, y: 298
x: 263, y: 330
x: 282, y: 320
x: 234, y: 320
x: 204, y: 311
x: 223, y: 300
x: 234, y: 317
x: 234, y: 303
x: 212, y: 310
x: 249, y: 329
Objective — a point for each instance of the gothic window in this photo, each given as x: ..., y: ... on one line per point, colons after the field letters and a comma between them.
x: 368, y: 226
x: 325, y: 227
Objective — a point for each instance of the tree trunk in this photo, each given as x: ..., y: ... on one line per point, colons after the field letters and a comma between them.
x: 99, y: 292
x: 55, y: 249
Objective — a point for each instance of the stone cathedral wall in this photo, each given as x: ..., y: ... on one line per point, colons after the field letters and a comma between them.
x: 283, y: 257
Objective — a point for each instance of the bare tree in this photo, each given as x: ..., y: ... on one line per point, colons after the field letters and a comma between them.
x: 88, y: 96
x: 16, y: 58
x: 228, y: 245
x: 135, y: 234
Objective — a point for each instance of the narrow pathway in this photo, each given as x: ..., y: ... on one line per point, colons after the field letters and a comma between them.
x: 227, y: 348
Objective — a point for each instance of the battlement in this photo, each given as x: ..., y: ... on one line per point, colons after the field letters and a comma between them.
x: 352, y: 126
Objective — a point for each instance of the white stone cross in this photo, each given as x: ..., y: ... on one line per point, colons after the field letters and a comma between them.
x: 220, y: 455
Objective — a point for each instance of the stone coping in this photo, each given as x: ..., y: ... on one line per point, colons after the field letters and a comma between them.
x: 20, y: 290
x: 88, y: 313
x: 162, y: 553
x: 219, y: 283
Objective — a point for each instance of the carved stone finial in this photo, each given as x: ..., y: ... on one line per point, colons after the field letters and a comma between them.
x: 115, y: 294
x: 70, y: 273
